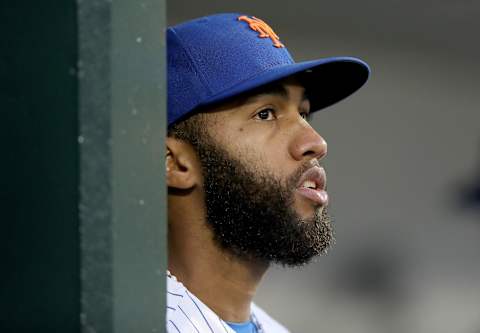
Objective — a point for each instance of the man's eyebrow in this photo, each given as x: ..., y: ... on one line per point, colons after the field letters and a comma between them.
x: 275, y: 89
x: 271, y: 89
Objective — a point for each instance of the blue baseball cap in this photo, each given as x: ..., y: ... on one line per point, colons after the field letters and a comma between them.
x: 214, y: 58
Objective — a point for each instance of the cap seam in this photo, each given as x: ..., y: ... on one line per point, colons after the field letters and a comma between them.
x: 250, y: 77
x: 268, y: 68
x: 187, y: 52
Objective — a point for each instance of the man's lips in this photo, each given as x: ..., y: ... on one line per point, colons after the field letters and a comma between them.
x: 312, y: 185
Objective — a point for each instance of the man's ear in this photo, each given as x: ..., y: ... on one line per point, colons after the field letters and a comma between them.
x: 181, y: 164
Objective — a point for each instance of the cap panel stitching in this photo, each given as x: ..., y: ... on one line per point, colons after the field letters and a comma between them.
x: 187, y: 52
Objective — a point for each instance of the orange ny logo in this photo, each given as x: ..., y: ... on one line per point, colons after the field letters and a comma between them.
x: 263, y: 29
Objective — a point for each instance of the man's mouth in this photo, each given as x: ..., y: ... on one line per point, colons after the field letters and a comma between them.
x: 312, y: 185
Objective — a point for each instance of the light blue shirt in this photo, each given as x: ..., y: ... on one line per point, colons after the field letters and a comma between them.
x: 246, y: 327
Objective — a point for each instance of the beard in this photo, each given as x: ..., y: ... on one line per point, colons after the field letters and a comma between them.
x: 251, y: 212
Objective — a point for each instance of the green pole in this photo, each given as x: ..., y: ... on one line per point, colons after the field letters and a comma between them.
x: 122, y: 115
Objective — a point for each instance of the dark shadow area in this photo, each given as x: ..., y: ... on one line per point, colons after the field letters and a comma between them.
x: 469, y: 196
x: 39, y: 168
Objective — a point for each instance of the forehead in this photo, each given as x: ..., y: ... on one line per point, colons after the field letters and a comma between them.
x: 282, y: 88
x: 290, y: 88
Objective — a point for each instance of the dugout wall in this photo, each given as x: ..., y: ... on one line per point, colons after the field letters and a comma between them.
x: 82, y: 190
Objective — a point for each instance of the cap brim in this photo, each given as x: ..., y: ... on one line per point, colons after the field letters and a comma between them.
x: 327, y: 81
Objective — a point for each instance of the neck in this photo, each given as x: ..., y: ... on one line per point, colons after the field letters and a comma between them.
x: 224, y: 283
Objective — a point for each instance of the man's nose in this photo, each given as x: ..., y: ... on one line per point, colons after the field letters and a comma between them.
x: 308, y: 144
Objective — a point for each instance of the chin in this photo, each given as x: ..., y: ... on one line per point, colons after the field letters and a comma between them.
x: 306, y: 209
x: 308, y: 212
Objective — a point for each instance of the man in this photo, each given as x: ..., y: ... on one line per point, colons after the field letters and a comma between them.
x: 245, y: 185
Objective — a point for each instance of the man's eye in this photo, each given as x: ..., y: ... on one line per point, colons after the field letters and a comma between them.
x: 266, y: 114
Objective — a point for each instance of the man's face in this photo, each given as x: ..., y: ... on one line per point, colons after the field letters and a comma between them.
x: 264, y: 189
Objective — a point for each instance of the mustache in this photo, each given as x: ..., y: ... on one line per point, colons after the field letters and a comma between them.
x: 294, y: 178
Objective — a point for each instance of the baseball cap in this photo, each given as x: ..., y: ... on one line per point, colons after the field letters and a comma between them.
x: 214, y: 58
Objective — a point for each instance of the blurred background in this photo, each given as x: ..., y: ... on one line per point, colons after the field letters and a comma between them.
x: 403, y: 166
